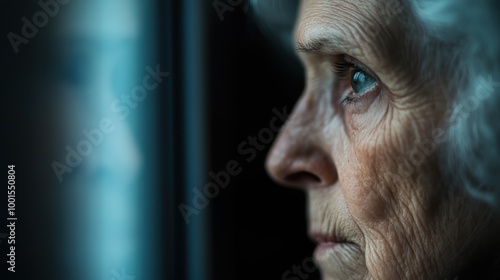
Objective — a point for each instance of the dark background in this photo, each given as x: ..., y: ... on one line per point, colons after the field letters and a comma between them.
x: 258, y: 228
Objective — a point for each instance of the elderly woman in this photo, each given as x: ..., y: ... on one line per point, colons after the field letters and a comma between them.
x: 395, y: 137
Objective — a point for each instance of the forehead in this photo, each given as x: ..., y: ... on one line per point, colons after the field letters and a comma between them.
x: 355, y: 27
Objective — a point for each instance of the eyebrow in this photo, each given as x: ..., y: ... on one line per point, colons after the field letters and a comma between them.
x: 331, y: 45
x: 311, y: 46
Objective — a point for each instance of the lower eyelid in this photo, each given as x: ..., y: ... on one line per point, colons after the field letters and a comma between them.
x: 351, y: 97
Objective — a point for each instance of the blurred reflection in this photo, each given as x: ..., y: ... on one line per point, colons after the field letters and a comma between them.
x: 102, y: 55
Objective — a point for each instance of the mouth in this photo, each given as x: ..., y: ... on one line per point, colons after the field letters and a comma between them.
x: 328, y: 244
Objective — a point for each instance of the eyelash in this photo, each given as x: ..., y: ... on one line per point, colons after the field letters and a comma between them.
x: 343, y: 68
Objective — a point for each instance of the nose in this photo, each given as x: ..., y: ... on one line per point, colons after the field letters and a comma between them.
x: 299, y: 157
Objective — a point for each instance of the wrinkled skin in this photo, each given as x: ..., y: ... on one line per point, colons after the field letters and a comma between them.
x: 347, y: 157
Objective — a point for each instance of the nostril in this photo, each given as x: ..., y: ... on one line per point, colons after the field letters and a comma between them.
x: 302, y: 177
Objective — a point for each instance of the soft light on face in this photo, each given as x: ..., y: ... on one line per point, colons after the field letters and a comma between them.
x: 364, y: 109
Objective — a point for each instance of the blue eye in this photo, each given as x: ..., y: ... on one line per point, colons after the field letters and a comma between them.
x: 360, y: 81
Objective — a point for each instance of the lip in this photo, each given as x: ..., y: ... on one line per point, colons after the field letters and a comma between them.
x: 327, y: 244
x: 320, y: 238
x: 324, y: 248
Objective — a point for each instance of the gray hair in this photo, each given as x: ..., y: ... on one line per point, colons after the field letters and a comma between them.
x: 470, y: 154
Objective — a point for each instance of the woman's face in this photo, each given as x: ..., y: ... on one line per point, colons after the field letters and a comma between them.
x: 362, y: 142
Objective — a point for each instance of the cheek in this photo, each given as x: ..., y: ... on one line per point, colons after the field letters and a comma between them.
x: 367, y: 155
x: 375, y: 147
x: 367, y: 196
